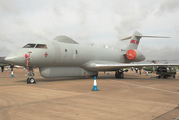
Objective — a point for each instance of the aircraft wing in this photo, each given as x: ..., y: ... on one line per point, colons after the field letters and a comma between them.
x: 109, y: 67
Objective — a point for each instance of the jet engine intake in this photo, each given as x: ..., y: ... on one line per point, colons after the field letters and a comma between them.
x: 134, y: 55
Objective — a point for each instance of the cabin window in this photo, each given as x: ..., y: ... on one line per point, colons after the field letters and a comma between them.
x: 41, y: 46
x: 76, y: 52
x: 29, y: 46
x: 65, y: 50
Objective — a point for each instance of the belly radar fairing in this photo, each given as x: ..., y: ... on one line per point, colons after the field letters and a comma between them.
x: 64, y: 57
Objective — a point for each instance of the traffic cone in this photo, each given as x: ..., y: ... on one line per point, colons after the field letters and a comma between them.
x: 147, y: 73
x: 95, y: 85
x: 12, y: 75
x: 24, y: 69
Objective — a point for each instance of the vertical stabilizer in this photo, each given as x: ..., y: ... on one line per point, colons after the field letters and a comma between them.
x: 135, y: 39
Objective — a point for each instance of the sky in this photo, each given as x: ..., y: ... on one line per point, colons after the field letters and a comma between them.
x: 97, y: 22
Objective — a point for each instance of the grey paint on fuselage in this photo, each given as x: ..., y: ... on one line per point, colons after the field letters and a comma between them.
x: 64, y: 57
x: 57, y: 56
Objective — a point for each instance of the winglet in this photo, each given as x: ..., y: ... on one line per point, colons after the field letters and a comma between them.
x: 136, y: 32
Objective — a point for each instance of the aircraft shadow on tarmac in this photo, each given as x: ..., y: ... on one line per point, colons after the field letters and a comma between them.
x: 98, y: 78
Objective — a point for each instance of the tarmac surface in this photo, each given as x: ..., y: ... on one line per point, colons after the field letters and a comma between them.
x: 136, y: 97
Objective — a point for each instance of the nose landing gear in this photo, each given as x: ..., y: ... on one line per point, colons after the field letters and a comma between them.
x: 30, y: 79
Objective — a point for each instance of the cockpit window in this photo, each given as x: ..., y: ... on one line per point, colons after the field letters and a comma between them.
x: 41, y: 46
x: 29, y: 46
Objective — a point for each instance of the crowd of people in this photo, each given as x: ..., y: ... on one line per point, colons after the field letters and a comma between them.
x: 11, y: 67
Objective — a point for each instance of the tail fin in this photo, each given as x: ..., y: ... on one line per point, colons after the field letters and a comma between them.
x: 135, y: 39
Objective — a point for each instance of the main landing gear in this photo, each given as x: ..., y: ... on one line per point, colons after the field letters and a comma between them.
x: 30, y: 79
x: 119, y: 74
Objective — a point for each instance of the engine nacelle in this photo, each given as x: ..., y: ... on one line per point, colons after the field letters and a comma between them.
x: 57, y: 72
x: 134, y: 55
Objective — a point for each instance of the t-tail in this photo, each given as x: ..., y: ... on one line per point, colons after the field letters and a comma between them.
x: 135, y: 39
x: 132, y: 54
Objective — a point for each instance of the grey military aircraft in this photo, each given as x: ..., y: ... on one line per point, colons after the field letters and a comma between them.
x: 64, y: 57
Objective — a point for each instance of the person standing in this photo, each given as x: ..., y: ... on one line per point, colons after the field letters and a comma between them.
x: 12, y: 66
x: 2, y: 69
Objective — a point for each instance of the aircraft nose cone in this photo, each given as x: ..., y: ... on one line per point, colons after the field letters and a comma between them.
x: 16, y: 58
x: 10, y: 59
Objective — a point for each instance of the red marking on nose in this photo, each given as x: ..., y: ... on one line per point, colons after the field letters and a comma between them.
x: 26, y: 56
x: 46, y: 54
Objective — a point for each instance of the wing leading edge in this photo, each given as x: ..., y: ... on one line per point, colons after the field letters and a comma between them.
x: 109, y: 67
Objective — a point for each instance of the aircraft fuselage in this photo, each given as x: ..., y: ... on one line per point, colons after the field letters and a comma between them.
x: 67, y: 55
x: 62, y: 59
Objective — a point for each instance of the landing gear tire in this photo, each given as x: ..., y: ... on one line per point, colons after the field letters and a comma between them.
x: 28, y: 80
x: 31, y: 81
x: 119, y: 74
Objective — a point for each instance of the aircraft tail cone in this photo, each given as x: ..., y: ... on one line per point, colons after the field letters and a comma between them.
x: 12, y: 75
x: 95, y: 85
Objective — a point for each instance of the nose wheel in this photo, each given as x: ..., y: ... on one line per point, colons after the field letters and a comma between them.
x: 30, y: 79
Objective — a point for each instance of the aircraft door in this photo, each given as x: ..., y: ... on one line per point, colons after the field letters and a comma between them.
x: 66, y: 53
x: 57, y: 54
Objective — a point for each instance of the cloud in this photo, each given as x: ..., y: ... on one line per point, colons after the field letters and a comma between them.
x: 99, y: 22
x: 166, y: 52
x: 169, y: 5
x: 10, y: 6
x: 4, y: 51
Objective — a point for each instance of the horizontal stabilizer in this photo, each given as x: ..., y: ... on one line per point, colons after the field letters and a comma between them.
x: 145, y: 36
x: 127, y: 38
x: 152, y: 36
